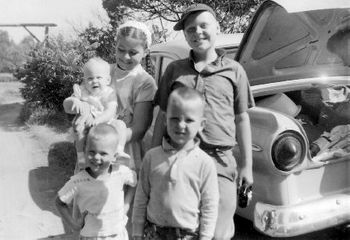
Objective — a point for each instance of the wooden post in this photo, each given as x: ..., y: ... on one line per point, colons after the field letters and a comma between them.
x: 26, y: 25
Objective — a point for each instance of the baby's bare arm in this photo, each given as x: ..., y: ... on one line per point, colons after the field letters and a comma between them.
x: 73, y: 105
x: 68, y: 104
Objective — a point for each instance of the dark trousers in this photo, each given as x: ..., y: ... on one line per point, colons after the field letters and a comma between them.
x: 155, y: 232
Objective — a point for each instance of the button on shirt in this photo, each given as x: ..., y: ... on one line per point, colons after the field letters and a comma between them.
x: 177, y: 189
x: 225, y: 87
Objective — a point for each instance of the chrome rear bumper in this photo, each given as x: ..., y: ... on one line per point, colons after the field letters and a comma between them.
x: 288, y: 221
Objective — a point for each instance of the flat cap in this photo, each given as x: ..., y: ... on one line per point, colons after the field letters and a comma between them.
x: 191, y: 9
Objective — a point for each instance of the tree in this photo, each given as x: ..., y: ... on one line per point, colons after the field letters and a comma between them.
x: 13, y: 55
x: 6, y: 46
x: 233, y: 15
x: 27, y: 43
x: 101, y: 40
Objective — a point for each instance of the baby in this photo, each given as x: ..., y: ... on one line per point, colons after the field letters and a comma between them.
x: 94, y: 102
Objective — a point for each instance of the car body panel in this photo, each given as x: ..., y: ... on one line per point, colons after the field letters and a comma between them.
x: 278, y: 45
x: 310, y: 5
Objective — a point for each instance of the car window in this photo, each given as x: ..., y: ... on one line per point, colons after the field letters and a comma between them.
x: 164, y: 63
x: 160, y: 62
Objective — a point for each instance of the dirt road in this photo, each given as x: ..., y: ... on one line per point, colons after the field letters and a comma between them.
x: 26, y: 189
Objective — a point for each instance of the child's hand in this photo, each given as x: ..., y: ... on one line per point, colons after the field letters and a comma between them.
x: 80, y: 107
x: 76, y: 106
x: 96, y: 121
x: 245, y: 176
x: 89, y: 120
x: 80, y: 222
x: 77, y: 90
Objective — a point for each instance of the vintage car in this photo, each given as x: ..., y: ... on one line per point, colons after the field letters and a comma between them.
x: 297, y: 57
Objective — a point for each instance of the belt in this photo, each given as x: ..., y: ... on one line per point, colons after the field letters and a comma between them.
x: 177, y: 232
x: 208, y: 148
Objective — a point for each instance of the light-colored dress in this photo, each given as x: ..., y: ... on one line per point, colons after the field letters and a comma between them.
x: 132, y: 87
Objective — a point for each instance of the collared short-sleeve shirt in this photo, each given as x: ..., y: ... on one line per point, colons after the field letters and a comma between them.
x: 102, y: 198
x: 225, y: 87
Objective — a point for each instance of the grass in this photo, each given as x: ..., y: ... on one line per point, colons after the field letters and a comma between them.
x: 36, y: 115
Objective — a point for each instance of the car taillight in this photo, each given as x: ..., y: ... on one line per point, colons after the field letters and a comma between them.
x: 288, y: 150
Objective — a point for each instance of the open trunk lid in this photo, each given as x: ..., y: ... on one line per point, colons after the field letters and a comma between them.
x: 280, y: 45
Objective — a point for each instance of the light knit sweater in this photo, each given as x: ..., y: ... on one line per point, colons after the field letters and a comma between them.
x: 177, y: 189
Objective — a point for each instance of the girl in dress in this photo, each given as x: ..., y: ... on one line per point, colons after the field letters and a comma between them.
x: 134, y: 87
x: 135, y: 90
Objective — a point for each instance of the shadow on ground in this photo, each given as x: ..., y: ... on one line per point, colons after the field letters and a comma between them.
x: 44, y: 182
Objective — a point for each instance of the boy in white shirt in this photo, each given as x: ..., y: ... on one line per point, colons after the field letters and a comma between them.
x: 98, y: 189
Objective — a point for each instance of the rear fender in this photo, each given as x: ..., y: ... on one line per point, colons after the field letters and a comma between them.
x: 266, y: 126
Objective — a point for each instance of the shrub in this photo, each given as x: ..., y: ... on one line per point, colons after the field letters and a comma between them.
x: 52, y: 68
x: 51, y: 71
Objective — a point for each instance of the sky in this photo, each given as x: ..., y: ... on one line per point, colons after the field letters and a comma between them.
x: 69, y: 15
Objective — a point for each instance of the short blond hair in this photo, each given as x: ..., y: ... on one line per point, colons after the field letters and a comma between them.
x: 97, y: 60
x: 103, y: 131
x: 187, y: 94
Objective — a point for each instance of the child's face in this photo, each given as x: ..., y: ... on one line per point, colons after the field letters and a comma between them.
x: 96, y: 78
x: 99, y: 154
x: 184, y: 120
x: 200, y: 30
x: 129, y: 53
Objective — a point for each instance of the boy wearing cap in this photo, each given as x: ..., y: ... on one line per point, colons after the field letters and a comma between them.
x: 225, y: 87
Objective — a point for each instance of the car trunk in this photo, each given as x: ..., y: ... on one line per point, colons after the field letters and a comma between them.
x: 324, y: 113
x: 299, y: 64
x: 282, y: 46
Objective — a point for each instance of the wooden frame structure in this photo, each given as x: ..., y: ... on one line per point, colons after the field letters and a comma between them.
x: 26, y: 25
